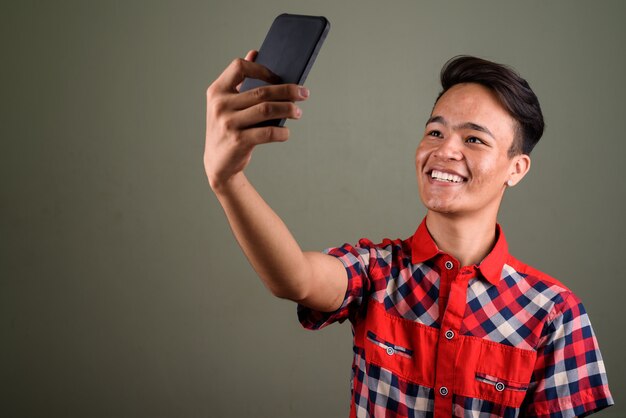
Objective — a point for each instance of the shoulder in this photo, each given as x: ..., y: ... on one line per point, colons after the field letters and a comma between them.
x: 534, y: 274
x: 384, y: 248
x: 387, y: 244
x: 369, y: 254
x: 561, y: 298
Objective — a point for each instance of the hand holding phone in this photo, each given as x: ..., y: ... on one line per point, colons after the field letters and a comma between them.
x: 238, y: 121
x: 232, y: 118
x: 289, y: 51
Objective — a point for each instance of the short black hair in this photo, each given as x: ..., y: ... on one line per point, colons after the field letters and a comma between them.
x: 511, y: 89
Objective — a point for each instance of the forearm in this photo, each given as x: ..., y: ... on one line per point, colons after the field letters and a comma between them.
x: 315, y: 279
x: 265, y: 239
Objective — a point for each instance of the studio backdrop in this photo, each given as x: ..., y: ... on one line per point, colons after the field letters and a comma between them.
x: 122, y: 290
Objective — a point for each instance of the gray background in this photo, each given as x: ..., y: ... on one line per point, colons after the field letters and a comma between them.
x: 122, y: 291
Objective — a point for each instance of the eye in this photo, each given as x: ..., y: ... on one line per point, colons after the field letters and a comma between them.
x: 435, y: 133
x: 474, y: 140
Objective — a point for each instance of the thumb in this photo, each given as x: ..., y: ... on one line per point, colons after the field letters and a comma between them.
x: 251, y: 55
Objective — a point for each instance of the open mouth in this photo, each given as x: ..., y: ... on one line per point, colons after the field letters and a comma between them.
x: 446, y: 177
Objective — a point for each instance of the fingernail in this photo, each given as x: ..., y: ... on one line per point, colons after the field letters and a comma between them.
x: 298, y: 112
x: 304, y: 92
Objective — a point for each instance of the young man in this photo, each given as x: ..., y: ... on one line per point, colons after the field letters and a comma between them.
x: 447, y: 322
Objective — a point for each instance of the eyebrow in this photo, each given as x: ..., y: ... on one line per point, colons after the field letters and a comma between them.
x: 466, y: 125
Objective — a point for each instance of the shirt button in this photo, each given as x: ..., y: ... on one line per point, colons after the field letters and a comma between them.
x: 500, y: 386
x: 443, y: 391
x: 449, y: 334
x: 391, y: 351
x: 449, y: 265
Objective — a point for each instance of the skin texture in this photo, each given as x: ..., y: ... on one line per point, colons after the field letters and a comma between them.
x: 469, y: 133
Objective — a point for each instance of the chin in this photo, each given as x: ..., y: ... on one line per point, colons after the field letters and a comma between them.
x: 439, y: 206
x: 438, y: 202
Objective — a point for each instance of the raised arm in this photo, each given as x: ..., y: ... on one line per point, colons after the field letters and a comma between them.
x: 316, y: 280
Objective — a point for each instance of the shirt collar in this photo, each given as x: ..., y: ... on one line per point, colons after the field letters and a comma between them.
x: 424, y: 248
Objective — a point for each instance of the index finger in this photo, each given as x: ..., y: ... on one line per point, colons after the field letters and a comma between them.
x: 239, y: 69
x: 250, y: 56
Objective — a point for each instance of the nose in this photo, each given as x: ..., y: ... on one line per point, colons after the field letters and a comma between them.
x: 449, y: 148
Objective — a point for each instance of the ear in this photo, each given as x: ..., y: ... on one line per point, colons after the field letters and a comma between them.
x: 520, y: 164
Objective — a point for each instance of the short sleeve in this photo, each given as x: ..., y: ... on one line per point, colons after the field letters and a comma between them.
x: 569, y: 379
x: 356, y: 260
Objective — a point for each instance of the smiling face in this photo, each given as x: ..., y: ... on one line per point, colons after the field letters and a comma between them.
x: 462, y: 162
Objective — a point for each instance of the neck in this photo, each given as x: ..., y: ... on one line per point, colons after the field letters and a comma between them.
x: 468, y: 239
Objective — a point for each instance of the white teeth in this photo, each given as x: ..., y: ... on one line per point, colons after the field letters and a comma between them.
x: 439, y: 175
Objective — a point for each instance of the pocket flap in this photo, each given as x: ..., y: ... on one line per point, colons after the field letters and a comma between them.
x: 501, y: 384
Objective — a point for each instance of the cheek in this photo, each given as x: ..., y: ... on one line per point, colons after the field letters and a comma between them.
x: 420, y: 161
x: 489, y: 172
x: 421, y: 154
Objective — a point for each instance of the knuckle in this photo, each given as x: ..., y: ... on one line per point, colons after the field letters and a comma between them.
x: 266, y: 109
x: 228, y: 124
x: 267, y: 133
x: 212, y: 91
x: 260, y: 93
x: 237, y: 137
x: 218, y: 105
x: 238, y: 66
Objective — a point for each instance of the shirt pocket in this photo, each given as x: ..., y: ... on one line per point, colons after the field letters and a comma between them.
x: 389, y: 348
x: 394, y: 354
x: 403, y: 347
x: 503, y: 373
x: 501, y: 384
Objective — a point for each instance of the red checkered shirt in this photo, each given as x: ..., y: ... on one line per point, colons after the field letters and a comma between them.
x: 433, y: 339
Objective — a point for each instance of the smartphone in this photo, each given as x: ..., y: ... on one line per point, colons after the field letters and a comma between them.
x: 289, y: 51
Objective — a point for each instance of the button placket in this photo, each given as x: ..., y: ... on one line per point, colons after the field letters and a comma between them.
x: 450, y: 325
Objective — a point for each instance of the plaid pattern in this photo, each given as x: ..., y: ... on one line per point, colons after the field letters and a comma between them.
x: 570, y: 372
x: 525, y: 341
x: 512, y: 311
x: 377, y: 391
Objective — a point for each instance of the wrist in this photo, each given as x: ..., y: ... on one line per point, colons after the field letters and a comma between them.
x: 225, y: 186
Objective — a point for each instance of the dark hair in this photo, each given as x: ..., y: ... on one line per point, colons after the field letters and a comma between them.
x: 512, y: 90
